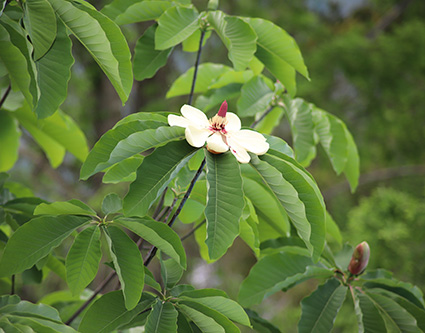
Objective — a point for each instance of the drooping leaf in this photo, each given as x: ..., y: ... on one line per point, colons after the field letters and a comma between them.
x: 171, y: 272
x: 352, y: 168
x: 142, y: 11
x: 162, y: 318
x: 28, y: 309
x: 156, y: 171
x: 40, y: 235
x: 102, y: 38
x: 109, y: 312
x: 9, y: 138
x: 319, y: 310
x: 224, y: 202
x: 40, y: 324
x: 150, y: 280
x: 332, y: 229
x: 54, y: 72
x: 175, y: 25
x: 128, y: 264
x: 204, y: 322
x: 147, y: 60
x: 237, y: 36
x: 256, y: 97
x: 40, y: 22
x: 111, y: 204
x: 71, y: 207
x: 158, y: 234
x: 124, y: 171
x: 83, y: 259
x: 260, y: 324
x: 207, y: 74
x: 370, y: 317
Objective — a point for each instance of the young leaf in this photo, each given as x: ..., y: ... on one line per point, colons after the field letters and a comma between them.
x: 150, y: 280
x: 54, y: 72
x: 111, y: 204
x: 162, y: 318
x: 102, y: 38
x: 225, y: 202
x: 156, y: 171
x: 128, y: 264
x: 256, y: 97
x: 40, y: 22
x: 9, y: 137
x: 71, y: 207
x: 124, y: 171
x: 83, y: 259
x: 174, y: 26
x: 108, y: 313
x: 40, y: 235
x: 171, y: 272
x: 319, y: 310
x: 142, y: 11
x: 147, y: 60
x: 158, y: 234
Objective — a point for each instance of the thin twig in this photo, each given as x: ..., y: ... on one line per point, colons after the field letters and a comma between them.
x: 195, y: 72
x: 170, y: 209
x: 191, y: 232
x: 3, y: 99
x: 255, y: 123
x: 12, y: 289
x: 160, y: 203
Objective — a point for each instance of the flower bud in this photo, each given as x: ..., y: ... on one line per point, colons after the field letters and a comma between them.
x: 223, y: 110
x: 360, y: 259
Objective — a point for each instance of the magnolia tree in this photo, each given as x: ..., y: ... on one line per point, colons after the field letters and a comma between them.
x: 221, y: 171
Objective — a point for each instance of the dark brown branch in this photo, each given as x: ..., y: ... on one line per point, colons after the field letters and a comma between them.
x: 264, y: 115
x: 3, y: 99
x: 195, y: 72
x: 191, y: 232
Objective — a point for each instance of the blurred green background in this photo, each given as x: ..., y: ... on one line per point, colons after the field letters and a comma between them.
x: 366, y: 60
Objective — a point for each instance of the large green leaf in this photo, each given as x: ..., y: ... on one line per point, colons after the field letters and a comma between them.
x: 143, y: 11
x: 286, y: 193
x: 205, y: 323
x: 237, y: 36
x: 116, y: 7
x: 9, y: 138
x: 352, y: 169
x: 230, y: 77
x: 191, y: 44
x: 171, y: 272
x: 102, y: 38
x: 256, y: 97
x: 207, y: 74
x: 300, y: 118
x: 125, y: 141
x: 175, y: 25
x: 40, y: 22
x: 128, y: 264
x: 39, y: 324
x: 83, y: 259
x: 147, y: 60
x: 308, y: 193
x: 371, y: 319
x: 225, y: 202
x: 162, y: 319
x: 319, y: 310
x: 108, y: 313
x: 16, y: 65
x: 40, y: 235
x: 124, y: 171
x: 158, y: 234
x: 54, y: 72
x: 153, y: 176
x: 71, y: 207
x: 28, y: 309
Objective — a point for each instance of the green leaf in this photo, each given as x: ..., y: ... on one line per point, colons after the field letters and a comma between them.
x: 124, y: 171
x: 332, y: 229
x: 230, y: 77
x: 191, y: 44
x: 40, y: 235
x: 370, y: 316
x: 16, y: 65
x: 158, y: 234
x: 300, y: 118
x: 162, y: 319
x: 40, y: 325
x: 147, y: 60
x: 111, y: 204
x: 308, y: 193
x: 128, y: 264
x: 319, y: 310
x: 171, y: 272
x: 54, y: 72
x: 142, y: 11
x: 352, y: 168
x: 83, y: 259
x: 153, y: 176
x: 27, y: 309
x: 108, y: 313
x: 103, y: 40
x: 237, y: 36
x: 175, y: 25
x: 204, y: 322
x: 40, y: 22
x: 256, y: 97
x: 214, y: 98
x: 9, y: 138
x: 270, y: 122
x: 279, y: 145
x: 225, y: 202
x: 261, y: 325
x: 150, y: 280
x: 207, y: 74
x: 116, y: 7
x: 71, y: 207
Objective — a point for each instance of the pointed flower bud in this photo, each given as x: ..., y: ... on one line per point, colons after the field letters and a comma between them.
x: 360, y: 259
x: 223, y: 110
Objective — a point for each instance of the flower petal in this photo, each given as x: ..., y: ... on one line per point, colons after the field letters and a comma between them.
x: 251, y: 141
x: 196, y: 136
x: 177, y: 121
x: 233, y: 122
x: 215, y: 144
x: 194, y: 115
x: 240, y: 153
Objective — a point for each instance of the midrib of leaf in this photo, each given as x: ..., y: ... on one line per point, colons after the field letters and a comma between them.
x: 324, y: 308
x: 382, y: 310
x: 86, y: 253
x: 273, y: 53
x: 215, y: 206
x: 159, y: 318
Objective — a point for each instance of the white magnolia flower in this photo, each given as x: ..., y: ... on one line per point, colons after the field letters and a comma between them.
x: 221, y: 133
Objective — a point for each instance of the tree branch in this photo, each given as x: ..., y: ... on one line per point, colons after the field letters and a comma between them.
x: 3, y: 99
x: 195, y: 72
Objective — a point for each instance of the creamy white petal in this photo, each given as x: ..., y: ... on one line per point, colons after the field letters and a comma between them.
x: 196, y: 136
x: 177, y: 121
x: 233, y: 122
x: 216, y: 144
x: 240, y: 152
x: 194, y: 115
x: 251, y: 141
